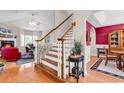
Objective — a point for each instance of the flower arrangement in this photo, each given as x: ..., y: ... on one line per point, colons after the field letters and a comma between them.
x: 2, y: 62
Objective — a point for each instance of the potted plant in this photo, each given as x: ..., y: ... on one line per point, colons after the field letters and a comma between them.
x: 77, y: 49
x: 2, y: 64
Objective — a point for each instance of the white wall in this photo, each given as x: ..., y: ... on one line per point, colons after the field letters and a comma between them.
x: 87, y: 53
x: 93, y: 49
x: 101, y: 46
x: 60, y: 15
x: 80, y: 17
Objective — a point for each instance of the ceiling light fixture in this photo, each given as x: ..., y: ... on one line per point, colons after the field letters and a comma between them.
x: 34, y: 22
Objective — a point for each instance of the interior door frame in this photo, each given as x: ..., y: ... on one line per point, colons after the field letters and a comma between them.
x: 93, y: 49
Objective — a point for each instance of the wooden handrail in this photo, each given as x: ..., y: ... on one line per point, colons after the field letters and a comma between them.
x: 62, y: 37
x: 62, y: 42
x: 54, y: 28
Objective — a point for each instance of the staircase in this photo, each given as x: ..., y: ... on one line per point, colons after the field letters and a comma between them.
x: 52, y: 58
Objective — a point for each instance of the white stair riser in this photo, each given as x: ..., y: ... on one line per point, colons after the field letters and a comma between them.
x: 49, y: 65
x: 66, y: 44
x: 61, y: 49
x: 69, y: 38
x: 54, y: 53
x: 67, y: 48
x: 69, y: 35
x: 52, y: 58
x: 67, y: 41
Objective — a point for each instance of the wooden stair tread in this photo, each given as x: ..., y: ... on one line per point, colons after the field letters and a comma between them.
x: 68, y: 36
x: 64, y: 43
x: 69, y: 33
x: 50, y: 61
x: 52, y: 55
x: 54, y: 50
x: 65, y: 47
x: 46, y: 70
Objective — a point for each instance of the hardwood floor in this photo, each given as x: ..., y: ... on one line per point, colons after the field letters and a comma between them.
x: 96, y: 77
x: 26, y: 74
x: 23, y: 74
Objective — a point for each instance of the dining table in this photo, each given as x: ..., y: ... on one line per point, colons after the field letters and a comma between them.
x: 119, y: 59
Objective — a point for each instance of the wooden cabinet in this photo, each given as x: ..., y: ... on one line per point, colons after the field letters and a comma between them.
x: 122, y: 39
x: 116, y: 40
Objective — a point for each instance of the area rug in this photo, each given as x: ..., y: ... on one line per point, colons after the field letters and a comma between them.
x: 110, y: 69
x: 24, y: 61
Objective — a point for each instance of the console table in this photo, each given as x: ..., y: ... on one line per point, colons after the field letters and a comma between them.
x: 76, y: 70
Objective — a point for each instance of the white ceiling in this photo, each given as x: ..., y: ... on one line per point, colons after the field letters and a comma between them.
x: 21, y: 19
x: 106, y: 18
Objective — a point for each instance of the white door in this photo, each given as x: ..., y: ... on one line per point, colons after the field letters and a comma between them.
x: 93, y: 50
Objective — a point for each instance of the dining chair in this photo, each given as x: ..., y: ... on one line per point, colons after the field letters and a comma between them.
x: 109, y: 57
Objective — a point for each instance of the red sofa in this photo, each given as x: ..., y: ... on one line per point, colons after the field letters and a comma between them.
x: 10, y: 54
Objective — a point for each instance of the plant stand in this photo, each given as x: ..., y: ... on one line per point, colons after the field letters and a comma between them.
x: 76, y: 70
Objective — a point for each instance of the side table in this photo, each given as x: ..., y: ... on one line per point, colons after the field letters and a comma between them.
x: 76, y: 70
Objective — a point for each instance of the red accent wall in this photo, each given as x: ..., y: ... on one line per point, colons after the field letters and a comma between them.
x: 102, y: 33
x: 88, y: 27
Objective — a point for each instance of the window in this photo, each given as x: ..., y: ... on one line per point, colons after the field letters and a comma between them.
x: 28, y: 39
x: 25, y: 39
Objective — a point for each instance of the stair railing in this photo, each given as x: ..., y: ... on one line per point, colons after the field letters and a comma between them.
x: 54, y: 29
x: 63, y: 52
x: 57, y: 31
x: 41, y: 48
x: 41, y: 51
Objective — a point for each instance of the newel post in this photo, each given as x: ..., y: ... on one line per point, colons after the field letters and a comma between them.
x: 62, y: 58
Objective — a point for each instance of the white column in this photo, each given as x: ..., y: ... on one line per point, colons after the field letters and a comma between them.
x: 36, y: 54
x: 59, y: 59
